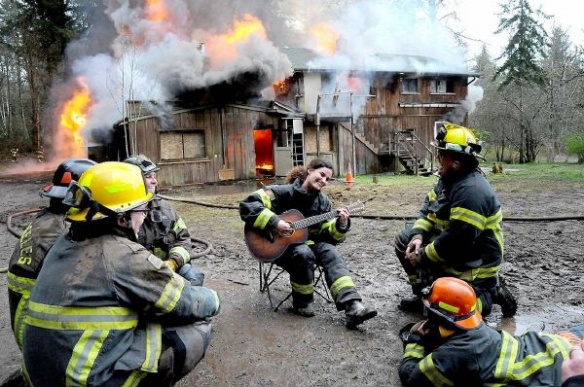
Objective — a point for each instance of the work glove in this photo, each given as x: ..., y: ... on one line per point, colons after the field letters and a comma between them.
x: 410, y: 333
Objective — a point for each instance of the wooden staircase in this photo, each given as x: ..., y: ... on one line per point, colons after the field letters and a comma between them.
x: 407, y: 148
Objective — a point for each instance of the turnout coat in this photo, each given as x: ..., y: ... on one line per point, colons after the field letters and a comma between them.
x: 95, y: 310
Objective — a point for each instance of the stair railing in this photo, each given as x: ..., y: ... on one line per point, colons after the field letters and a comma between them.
x: 405, y: 142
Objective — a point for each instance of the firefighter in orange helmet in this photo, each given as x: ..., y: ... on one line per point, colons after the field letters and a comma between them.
x: 459, y: 231
x: 454, y: 347
x: 104, y: 310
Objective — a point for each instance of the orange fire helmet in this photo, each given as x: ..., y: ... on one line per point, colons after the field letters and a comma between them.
x: 454, y: 301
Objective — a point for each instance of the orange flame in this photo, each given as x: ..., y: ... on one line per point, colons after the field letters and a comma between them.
x: 157, y: 11
x: 74, y: 117
x: 244, y: 29
x: 223, y: 48
x: 325, y: 37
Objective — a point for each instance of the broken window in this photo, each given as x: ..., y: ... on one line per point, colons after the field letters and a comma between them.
x: 442, y: 85
x: 409, y: 85
x: 181, y: 145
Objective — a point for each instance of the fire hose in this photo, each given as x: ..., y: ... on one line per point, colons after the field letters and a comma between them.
x: 17, y: 233
x: 383, y: 217
x: 231, y: 207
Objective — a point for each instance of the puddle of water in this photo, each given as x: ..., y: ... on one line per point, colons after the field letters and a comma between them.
x: 550, y: 319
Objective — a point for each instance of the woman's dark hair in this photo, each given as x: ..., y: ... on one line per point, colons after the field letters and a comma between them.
x: 320, y: 163
x: 298, y: 172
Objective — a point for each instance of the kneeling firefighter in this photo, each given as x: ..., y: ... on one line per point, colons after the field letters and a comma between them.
x: 104, y: 310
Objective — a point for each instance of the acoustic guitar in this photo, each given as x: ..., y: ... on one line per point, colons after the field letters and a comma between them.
x: 268, y: 246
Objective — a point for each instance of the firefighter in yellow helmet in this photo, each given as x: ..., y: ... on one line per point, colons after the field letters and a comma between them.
x: 459, y: 230
x: 104, y: 310
x: 164, y: 232
x: 454, y: 347
x: 36, y: 240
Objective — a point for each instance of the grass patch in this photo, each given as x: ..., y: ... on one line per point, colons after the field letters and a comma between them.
x: 542, y: 171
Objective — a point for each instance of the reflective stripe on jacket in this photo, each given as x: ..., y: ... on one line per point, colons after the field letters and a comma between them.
x: 26, y: 262
x: 94, y: 311
x: 462, y: 222
x: 164, y: 232
x: 486, y: 357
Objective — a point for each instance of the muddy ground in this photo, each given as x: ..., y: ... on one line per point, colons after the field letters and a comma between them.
x: 255, y: 346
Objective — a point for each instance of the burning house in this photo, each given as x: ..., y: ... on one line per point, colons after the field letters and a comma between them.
x: 212, y: 97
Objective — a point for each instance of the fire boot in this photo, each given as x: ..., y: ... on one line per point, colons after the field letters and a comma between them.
x: 503, y: 297
x: 356, y: 313
x: 304, y: 310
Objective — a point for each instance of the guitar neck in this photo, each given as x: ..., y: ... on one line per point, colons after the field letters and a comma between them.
x: 307, y: 222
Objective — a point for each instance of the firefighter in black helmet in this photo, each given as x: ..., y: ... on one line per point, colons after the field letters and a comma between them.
x: 30, y: 251
x: 164, y: 232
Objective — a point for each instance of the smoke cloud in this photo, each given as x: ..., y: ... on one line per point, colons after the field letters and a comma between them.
x: 154, y: 50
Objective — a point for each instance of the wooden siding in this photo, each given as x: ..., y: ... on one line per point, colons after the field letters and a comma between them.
x: 228, y: 141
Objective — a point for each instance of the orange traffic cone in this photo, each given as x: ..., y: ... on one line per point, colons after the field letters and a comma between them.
x: 349, y: 176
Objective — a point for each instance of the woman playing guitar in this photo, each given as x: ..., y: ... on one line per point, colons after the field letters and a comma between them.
x: 268, y: 214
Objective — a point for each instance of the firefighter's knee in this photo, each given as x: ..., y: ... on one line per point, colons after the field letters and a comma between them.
x: 304, y: 256
x: 189, y: 344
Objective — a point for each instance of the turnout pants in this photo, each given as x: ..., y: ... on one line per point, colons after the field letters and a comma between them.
x: 183, y: 347
x: 425, y: 274
x: 299, y: 261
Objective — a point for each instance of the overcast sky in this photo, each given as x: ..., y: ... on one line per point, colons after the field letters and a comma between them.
x: 480, y: 19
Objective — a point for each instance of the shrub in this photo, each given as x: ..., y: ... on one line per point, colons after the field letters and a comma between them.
x: 575, y: 145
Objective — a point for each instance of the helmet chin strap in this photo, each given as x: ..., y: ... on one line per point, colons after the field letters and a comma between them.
x: 125, y: 223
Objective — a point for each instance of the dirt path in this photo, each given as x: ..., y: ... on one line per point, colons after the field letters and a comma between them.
x: 254, y: 346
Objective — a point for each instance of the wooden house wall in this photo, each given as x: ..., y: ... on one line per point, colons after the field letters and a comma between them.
x: 382, y: 115
x: 231, y: 153
x: 365, y: 159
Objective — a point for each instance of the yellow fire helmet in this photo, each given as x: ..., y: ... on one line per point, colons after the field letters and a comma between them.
x: 106, y: 189
x: 457, y: 138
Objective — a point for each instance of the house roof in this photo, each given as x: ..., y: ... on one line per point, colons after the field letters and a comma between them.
x: 304, y: 60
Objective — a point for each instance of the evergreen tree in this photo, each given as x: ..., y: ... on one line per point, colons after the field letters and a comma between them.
x: 38, y: 32
x: 526, y: 46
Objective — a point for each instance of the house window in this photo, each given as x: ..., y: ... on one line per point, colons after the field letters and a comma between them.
x: 409, y: 85
x: 180, y: 145
x: 442, y: 85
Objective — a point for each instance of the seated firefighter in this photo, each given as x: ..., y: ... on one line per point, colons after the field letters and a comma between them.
x: 36, y: 240
x: 261, y: 211
x: 104, y: 310
x: 454, y: 347
x: 459, y: 231
x: 164, y: 232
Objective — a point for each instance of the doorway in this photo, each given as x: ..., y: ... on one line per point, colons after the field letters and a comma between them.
x: 264, y: 151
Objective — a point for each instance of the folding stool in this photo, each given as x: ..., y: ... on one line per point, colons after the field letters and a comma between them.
x: 270, y: 272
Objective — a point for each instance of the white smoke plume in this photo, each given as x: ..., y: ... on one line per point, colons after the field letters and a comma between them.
x: 154, y: 50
